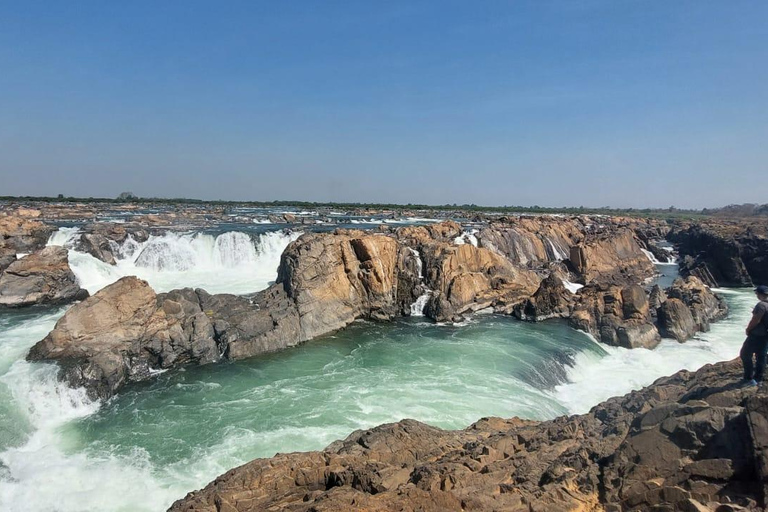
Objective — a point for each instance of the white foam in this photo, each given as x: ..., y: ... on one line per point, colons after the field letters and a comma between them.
x: 417, y: 308
x: 64, y: 237
x: 572, y: 287
x: 467, y: 236
x: 614, y: 371
x: 228, y: 263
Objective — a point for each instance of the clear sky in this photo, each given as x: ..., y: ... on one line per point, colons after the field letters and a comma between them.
x: 624, y: 103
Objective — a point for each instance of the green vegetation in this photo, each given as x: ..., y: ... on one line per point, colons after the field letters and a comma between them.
x: 667, y: 213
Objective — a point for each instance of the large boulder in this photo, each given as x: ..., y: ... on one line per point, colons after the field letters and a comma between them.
x: 692, y: 441
x: 675, y: 320
x: 551, y: 300
x: 611, y: 257
x: 23, y: 234
x: 125, y: 332
x: 615, y: 315
x: 705, y: 306
x: 103, y: 240
x: 43, y: 277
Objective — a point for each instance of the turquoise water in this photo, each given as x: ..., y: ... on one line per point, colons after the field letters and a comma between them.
x: 160, y: 439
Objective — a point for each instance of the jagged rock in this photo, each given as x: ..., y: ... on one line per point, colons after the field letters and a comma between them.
x: 551, y: 300
x: 616, y: 316
x: 687, y: 440
x: 656, y: 298
x: 335, y: 279
x: 675, y: 320
x: 722, y: 253
x: 43, y: 277
x: 466, y: 278
x: 611, y: 258
x: 125, y: 332
x: 532, y: 242
x: 22, y: 234
x: 705, y: 306
x: 103, y: 240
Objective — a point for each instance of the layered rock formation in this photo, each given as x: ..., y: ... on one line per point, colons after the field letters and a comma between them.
x: 43, y: 277
x: 612, y: 257
x: 724, y: 253
x: 692, y: 441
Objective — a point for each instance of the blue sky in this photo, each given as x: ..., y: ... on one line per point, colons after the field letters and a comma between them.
x: 616, y: 102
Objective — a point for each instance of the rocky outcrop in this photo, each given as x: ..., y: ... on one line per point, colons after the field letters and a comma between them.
x: 464, y: 278
x: 690, y: 307
x: 616, y: 316
x: 325, y: 281
x: 611, y: 257
x: 23, y: 234
x: 532, y: 241
x: 722, y: 253
x: 630, y: 318
x: 692, y: 441
x: 125, y: 332
x: 43, y: 277
x: 551, y: 300
x: 103, y: 240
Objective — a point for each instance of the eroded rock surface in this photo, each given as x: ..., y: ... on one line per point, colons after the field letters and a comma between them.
x: 692, y: 441
x: 723, y: 253
x: 43, y: 277
x: 23, y: 233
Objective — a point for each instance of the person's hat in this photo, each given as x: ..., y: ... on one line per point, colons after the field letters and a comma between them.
x: 762, y: 289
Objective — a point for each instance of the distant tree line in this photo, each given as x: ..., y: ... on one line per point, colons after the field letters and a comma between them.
x: 744, y: 210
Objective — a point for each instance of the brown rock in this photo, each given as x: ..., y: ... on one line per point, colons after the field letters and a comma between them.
x: 660, y: 448
x: 43, y: 277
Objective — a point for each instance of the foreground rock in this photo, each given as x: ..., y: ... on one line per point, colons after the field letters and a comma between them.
x: 43, y: 277
x: 689, y: 442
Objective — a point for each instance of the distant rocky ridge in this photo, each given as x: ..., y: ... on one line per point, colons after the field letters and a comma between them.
x: 689, y: 442
x: 126, y: 332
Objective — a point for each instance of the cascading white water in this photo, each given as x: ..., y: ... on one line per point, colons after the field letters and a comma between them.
x: 417, y: 308
x: 557, y: 252
x: 467, y: 236
x: 230, y: 262
x: 64, y: 237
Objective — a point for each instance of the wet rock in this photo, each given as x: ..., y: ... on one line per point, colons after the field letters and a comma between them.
x: 660, y: 448
x: 43, y: 277
x: 615, y: 315
x: 551, y: 300
x: 103, y: 240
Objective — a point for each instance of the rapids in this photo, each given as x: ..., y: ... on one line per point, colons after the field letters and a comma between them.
x: 158, y: 440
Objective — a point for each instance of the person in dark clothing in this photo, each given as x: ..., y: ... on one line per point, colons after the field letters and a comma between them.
x: 756, y: 344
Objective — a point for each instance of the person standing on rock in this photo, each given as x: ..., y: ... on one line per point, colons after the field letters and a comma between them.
x: 756, y: 343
